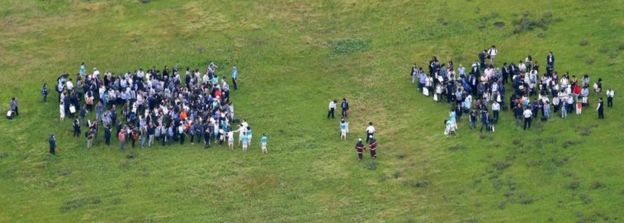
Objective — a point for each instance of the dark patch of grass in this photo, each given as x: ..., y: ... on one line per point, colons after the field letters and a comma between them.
x: 371, y: 165
x: 132, y: 155
x: 597, y: 185
x: 442, y: 21
x: 4, y: 155
x: 457, y: 147
x: 383, y: 178
x: 603, y: 50
x: 541, y: 35
x: 584, y: 42
x: 560, y: 161
x: 499, y: 24
x: 64, y: 172
x: 501, y: 165
x: 397, y: 174
x: 501, y: 205
x: 590, y: 61
x: 526, y: 200
x: 347, y: 46
x: 145, y: 1
x: 574, y: 185
x: 620, y: 47
x: 417, y: 183
x: 80, y: 202
x: 585, y: 198
x: 526, y: 22
x: 533, y: 163
x: 569, y: 143
x: 400, y: 156
x: 508, y: 194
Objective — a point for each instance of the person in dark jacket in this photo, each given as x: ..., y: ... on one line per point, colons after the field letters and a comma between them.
x: 345, y: 107
x: 372, y: 144
x: 44, y: 92
x: 76, y: 126
x: 359, y: 148
x: 52, y: 141
x: 107, y: 135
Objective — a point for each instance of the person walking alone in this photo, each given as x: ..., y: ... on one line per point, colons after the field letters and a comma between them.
x: 52, y: 142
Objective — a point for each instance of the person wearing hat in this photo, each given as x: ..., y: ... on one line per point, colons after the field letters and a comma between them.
x: 359, y: 148
x: 372, y: 144
x: 52, y: 141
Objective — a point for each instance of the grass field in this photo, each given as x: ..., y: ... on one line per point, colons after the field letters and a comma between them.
x: 293, y: 57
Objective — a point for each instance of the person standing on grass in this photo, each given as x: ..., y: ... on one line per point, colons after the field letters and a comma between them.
x: 235, y: 77
x: 344, y: 129
x: 76, y: 126
x: 473, y: 119
x: 14, y: 107
x: 44, y: 92
x: 492, y: 54
x: 263, y: 143
x: 107, y: 135
x: 373, y: 147
x: 52, y: 142
x: 370, y: 131
x: 600, y: 108
x: 528, y: 115
x: 610, y: 95
x: 122, y: 139
x: 245, y: 142
x: 90, y: 136
x: 230, y: 139
x: 495, y: 110
x: 83, y: 69
x: 359, y: 148
x: 345, y: 108
x: 331, y: 109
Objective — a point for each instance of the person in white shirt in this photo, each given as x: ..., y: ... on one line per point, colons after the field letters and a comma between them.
x: 331, y: 109
x: 495, y: 110
x: 230, y: 139
x: 528, y: 115
x: 610, y: 95
x: 69, y: 85
x: 492, y: 53
x: 370, y: 131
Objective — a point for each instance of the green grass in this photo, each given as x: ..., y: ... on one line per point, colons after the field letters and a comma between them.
x: 294, y: 56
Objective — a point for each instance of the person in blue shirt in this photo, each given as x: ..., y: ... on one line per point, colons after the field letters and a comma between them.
x: 245, y: 142
x: 263, y: 143
x: 344, y: 129
x: 235, y: 77
x: 83, y: 69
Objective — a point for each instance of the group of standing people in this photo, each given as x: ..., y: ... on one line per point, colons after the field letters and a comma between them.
x: 344, y: 128
x: 149, y: 106
x: 480, y: 91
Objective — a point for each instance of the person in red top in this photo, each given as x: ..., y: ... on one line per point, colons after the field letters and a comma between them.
x: 372, y: 144
x: 359, y: 147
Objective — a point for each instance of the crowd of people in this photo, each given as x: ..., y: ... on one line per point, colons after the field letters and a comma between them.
x: 146, y: 107
x: 480, y: 92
